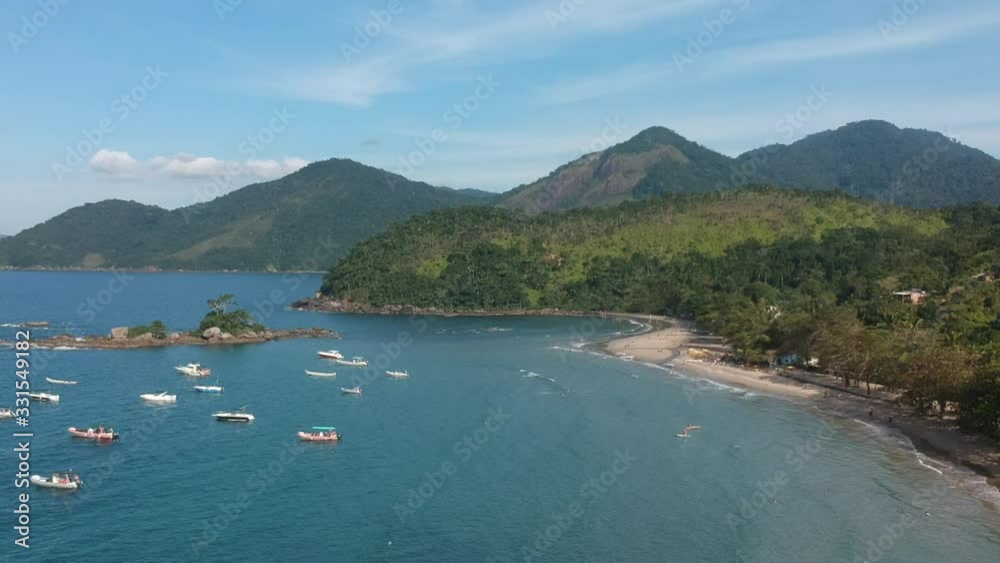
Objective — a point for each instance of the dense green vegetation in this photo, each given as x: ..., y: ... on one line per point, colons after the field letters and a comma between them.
x: 225, y: 314
x: 156, y: 328
x: 776, y: 272
x: 303, y: 221
x: 871, y: 159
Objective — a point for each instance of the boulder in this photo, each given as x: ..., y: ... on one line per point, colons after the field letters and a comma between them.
x: 213, y: 332
x: 119, y: 333
x: 226, y: 336
x: 175, y: 336
x: 145, y: 337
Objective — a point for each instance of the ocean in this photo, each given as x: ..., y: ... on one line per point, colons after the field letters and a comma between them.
x: 509, y: 442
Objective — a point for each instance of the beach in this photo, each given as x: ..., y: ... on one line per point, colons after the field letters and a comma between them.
x: 677, y: 344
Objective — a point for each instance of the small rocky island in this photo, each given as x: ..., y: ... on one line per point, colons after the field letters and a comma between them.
x: 225, y: 324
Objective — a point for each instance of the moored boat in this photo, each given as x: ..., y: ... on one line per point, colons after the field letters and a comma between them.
x: 208, y: 388
x: 100, y: 433
x: 397, y: 374
x: 44, y: 397
x: 356, y: 362
x: 194, y: 370
x: 321, y: 434
x: 330, y: 354
x: 351, y: 390
x: 67, y: 480
x: 235, y: 416
x: 321, y: 373
x: 6, y: 413
x: 60, y: 381
x: 162, y: 397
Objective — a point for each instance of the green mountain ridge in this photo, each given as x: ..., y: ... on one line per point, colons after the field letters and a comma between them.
x: 304, y: 220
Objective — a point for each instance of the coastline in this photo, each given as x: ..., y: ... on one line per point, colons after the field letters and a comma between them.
x: 669, y: 345
x: 98, y: 342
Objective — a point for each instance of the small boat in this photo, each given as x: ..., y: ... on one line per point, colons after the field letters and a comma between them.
x: 684, y: 435
x: 194, y: 370
x: 60, y: 381
x: 351, y: 390
x: 6, y: 413
x: 321, y: 373
x: 44, y: 397
x: 397, y: 374
x: 100, y: 433
x: 357, y: 362
x: 163, y: 397
x: 208, y: 388
x: 68, y: 481
x: 691, y: 427
x: 236, y: 416
x: 321, y: 434
x: 330, y: 354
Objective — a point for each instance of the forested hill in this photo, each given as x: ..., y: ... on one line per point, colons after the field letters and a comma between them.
x: 871, y: 159
x: 775, y: 272
x: 318, y: 212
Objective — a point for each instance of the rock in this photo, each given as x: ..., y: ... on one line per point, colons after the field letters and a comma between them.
x: 249, y: 334
x: 213, y: 332
x: 145, y: 337
x: 119, y: 333
x: 226, y: 336
x: 175, y: 336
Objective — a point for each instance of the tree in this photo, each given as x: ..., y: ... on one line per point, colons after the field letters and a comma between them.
x: 158, y: 329
x: 222, y: 303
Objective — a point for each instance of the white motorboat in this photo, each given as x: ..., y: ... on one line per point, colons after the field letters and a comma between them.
x: 356, y: 362
x: 208, y: 388
x: 66, y: 481
x: 321, y: 373
x: 351, y: 390
x: 235, y: 416
x: 43, y: 397
x: 397, y: 374
x: 330, y: 354
x: 60, y: 381
x: 194, y: 370
x: 163, y: 397
x: 6, y: 413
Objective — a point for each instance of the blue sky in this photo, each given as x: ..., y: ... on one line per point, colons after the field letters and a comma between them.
x: 255, y: 89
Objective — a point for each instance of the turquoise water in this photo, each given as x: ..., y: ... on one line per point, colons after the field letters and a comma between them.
x: 507, y: 440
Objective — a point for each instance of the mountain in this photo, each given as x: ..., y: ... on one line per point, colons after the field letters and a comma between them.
x: 302, y: 221
x: 587, y: 259
x: 876, y: 159
x: 872, y: 159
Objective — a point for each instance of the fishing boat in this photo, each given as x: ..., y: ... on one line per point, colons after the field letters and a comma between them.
x: 208, y: 388
x: 6, y: 413
x: 397, y: 374
x: 351, y: 390
x: 162, y: 397
x: 194, y: 370
x: 67, y: 480
x: 321, y: 434
x: 356, y: 362
x: 321, y: 373
x: 43, y: 397
x: 236, y: 416
x: 100, y: 433
x: 330, y: 354
x: 60, y: 381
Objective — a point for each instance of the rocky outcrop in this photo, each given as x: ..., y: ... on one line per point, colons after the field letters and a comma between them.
x: 212, y: 333
x: 178, y: 339
x: 119, y: 333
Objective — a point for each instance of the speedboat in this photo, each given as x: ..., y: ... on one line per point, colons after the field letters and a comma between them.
x: 60, y: 381
x: 357, y: 362
x: 321, y: 434
x: 194, y: 370
x: 321, y: 373
x: 351, y: 390
x: 163, y: 397
x: 6, y: 413
x: 44, y: 397
x: 208, y: 388
x: 100, y: 433
x: 397, y: 374
x: 67, y: 481
x: 330, y: 354
x: 692, y: 427
x: 237, y: 416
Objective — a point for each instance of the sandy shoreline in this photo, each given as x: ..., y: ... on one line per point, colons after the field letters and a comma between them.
x: 667, y: 342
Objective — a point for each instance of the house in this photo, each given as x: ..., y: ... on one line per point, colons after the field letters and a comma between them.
x: 914, y: 296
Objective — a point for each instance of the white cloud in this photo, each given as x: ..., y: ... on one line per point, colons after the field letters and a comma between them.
x: 353, y: 85
x: 114, y: 163
x: 189, y: 166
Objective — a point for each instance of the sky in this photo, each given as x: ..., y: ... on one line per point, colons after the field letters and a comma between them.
x: 174, y: 103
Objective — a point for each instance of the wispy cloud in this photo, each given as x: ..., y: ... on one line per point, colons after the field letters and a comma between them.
x: 355, y: 85
x: 615, y: 82
x: 858, y: 41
